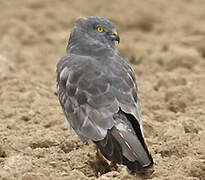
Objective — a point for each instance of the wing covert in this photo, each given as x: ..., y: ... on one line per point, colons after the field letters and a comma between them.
x: 91, y: 92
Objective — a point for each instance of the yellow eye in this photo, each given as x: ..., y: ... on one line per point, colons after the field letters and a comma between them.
x: 99, y: 29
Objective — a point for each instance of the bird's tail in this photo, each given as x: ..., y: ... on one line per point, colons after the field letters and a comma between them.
x: 124, y: 144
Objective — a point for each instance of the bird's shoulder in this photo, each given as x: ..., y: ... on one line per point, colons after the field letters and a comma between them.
x: 98, y: 75
x: 94, y: 75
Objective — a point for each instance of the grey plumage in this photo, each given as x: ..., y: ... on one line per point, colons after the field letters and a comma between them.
x: 98, y: 93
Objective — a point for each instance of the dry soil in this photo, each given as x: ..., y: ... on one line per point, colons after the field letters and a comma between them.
x: 165, y: 43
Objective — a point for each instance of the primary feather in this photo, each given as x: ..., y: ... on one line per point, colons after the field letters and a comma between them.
x: 98, y: 93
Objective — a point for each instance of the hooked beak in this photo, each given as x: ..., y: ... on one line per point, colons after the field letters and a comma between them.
x: 115, y: 37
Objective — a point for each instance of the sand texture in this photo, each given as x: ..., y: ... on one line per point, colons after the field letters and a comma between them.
x: 165, y: 43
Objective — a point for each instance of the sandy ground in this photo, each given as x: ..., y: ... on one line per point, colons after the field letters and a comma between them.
x: 165, y: 43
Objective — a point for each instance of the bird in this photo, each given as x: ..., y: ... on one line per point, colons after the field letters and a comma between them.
x: 98, y: 93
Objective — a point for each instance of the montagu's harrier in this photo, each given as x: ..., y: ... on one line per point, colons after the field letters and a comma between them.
x: 98, y: 93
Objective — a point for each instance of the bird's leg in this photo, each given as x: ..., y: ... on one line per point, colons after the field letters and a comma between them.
x: 110, y: 165
x: 101, y: 157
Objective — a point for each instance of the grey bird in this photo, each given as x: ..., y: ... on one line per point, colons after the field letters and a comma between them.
x: 98, y: 93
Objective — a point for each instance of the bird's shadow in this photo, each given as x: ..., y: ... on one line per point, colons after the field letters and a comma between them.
x: 100, y: 167
x: 146, y: 174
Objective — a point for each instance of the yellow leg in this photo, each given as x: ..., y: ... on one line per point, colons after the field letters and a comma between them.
x: 101, y: 157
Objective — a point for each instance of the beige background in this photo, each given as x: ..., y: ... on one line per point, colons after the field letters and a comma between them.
x: 165, y: 42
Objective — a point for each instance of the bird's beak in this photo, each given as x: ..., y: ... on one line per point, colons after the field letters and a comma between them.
x: 115, y: 37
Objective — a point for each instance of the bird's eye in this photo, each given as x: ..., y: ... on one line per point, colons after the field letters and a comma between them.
x: 99, y: 29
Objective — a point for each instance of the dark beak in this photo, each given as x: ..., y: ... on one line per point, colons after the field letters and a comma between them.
x: 115, y: 37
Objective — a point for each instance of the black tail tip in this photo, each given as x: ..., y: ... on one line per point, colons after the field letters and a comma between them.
x: 136, y: 166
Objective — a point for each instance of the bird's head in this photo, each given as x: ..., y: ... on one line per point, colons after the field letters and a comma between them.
x: 97, y: 29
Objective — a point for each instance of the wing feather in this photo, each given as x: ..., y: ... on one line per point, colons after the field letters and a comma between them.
x: 91, y: 91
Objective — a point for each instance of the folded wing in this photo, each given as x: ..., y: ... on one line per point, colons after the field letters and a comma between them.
x: 99, y: 99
